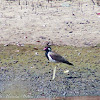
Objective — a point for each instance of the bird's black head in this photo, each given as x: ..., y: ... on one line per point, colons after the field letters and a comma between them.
x: 47, y: 49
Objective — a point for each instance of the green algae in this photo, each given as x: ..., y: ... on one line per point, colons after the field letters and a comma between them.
x: 30, y: 59
x: 33, y: 56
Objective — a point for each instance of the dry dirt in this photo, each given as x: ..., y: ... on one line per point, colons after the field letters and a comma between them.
x: 61, y: 22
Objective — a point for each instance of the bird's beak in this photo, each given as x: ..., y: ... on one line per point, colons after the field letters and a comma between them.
x: 44, y: 49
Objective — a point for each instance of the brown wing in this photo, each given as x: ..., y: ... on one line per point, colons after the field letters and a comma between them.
x: 59, y: 58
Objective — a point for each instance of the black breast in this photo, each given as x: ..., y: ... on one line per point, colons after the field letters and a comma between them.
x: 46, y: 54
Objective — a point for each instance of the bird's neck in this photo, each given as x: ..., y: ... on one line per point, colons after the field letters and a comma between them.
x: 46, y: 54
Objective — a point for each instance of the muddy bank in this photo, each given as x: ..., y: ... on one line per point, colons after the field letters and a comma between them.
x: 26, y: 73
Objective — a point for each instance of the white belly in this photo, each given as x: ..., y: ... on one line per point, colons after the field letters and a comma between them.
x: 50, y: 59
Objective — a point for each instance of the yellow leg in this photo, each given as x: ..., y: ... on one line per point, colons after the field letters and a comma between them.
x: 54, y: 72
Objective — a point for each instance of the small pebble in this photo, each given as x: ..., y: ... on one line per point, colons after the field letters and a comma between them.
x: 6, y: 45
x: 66, y: 71
x: 32, y: 66
x: 71, y: 32
x: 35, y: 48
x: 17, y: 51
x: 79, y: 53
x: 36, y: 53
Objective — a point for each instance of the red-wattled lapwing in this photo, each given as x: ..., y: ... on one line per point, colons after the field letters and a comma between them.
x: 54, y: 57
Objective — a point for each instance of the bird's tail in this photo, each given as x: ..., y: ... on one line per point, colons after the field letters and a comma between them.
x: 67, y: 62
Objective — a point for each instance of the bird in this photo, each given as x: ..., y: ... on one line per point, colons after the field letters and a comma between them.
x: 56, y: 58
